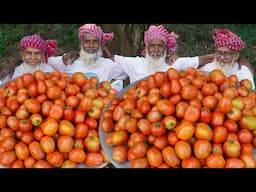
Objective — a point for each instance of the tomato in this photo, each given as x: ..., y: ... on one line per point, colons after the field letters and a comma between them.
x: 185, y: 130
x: 169, y: 156
x: 230, y: 125
x: 165, y: 90
x: 215, y: 160
x: 244, y: 136
x: 93, y: 159
x: 29, y: 162
x: 79, y: 79
x: 154, y: 116
x: 68, y: 113
x: 7, y: 144
x: 5, y: 132
x: 172, y: 73
x: 232, y: 148
x: 32, y: 90
x: 66, y: 128
x: 157, y: 128
x: 183, y: 149
x: 238, y: 103
x: 55, y: 158
x: 119, y: 137
x: 47, y: 144
x: 247, y: 148
x: 36, y: 119
x: 234, y: 114
x: 181, y: 107
x: 202, y: 149
x: 248, y: 122
x: 92, y: 143
x: 12, y: 103
x: 32, y: 105
x: 234, y: 163
x: 39, y: 75
x: 170, y: 122
x: 38, y: 134
x: 189, y: 92
x: 53, y: 92
x: 165, y: 107
x: 3, y: 121
x: 94, y: 112
x: 217, y: 118
x: 192, y: 113
x: 203, y: 131
x: 208, y: 89
x: 42, y: 164
x: 139, y: 163
x: 217, y: 77
x: 220, y: 134
x: 119, y: 153
x: 77, y: 155
x: 154, y: 157
x: 7, y: 158
x: 191, y: 162
x: 27, y: 137
x: 68, y: 164
x: 21, y: 150
x: 25, y: 125
x: 49, y: 127
x: 36, y: 150
x: 91, y: 122
x: 247, y: 84
x: 248, y: 160
x: 205, y: 115
x: 65, y: 143
x: 144, y: 106
x: 22, y: 113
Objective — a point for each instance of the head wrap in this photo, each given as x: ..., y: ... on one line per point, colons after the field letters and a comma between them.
x: 96, y: 31
x: 159, y: 32
x: 226, y: 38
x: 48, y: 47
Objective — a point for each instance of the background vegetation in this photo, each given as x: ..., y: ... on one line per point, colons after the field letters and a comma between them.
x: 195, y: 39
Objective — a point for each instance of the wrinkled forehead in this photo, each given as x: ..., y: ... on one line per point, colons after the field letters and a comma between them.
x: 32, y: 50
x: 90, y: 37
x: 156, y: 42
x: 223, y: 49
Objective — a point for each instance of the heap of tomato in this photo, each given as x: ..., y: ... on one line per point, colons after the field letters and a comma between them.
x: 186, y: 119
x: 51, y: 120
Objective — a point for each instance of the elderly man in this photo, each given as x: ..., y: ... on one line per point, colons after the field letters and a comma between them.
x: 34, y: 52
x: 158, y: 42
x: 90, y: 60
x: 227, y: 46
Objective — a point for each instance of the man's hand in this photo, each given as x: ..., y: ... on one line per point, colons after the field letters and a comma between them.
x: 171, y: 58
x: 106, y: 53
x: 69, y: 57
x: 9, y: 70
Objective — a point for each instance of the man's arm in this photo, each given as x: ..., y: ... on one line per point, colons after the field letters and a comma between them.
x: 204, y: 59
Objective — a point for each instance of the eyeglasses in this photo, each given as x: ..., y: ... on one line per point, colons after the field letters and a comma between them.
x: 224, y: 53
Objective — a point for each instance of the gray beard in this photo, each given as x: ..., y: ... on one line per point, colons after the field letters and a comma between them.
x: 30, y: 68
x: 225, y: 67
x: 90, y: 58
x: 153, y: 63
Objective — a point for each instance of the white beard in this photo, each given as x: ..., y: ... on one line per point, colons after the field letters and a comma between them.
x: 153, y: 63
x: 30, y: 68
x: 224, y: 67
x: 90, y: 58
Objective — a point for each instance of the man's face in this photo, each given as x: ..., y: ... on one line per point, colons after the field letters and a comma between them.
x: 156, y: 48
x: 32, y: 56
x: 225, y: 56
x: 90, y: 43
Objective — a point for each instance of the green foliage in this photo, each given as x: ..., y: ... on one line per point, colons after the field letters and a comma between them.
x: 195, y: 39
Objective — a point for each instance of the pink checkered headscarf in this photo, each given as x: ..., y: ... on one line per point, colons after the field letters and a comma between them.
x: 48, y: 47
x: 96, y: 31
x: 226, y: 38
x: 159, y: 32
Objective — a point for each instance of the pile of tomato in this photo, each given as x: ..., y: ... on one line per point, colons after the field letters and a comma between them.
x: 51, y: 120
x: 186, y: 119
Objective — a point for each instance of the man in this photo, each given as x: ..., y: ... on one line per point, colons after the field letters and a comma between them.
x: 158, y: 42
x: 34, y: 52
x: 227, y: 46
x: 90, y: 60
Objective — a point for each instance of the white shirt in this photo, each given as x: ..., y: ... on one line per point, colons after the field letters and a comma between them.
x: 136, y: 67
x: 243, y: 73
x: 104, y: 69
x: 23, y: 68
